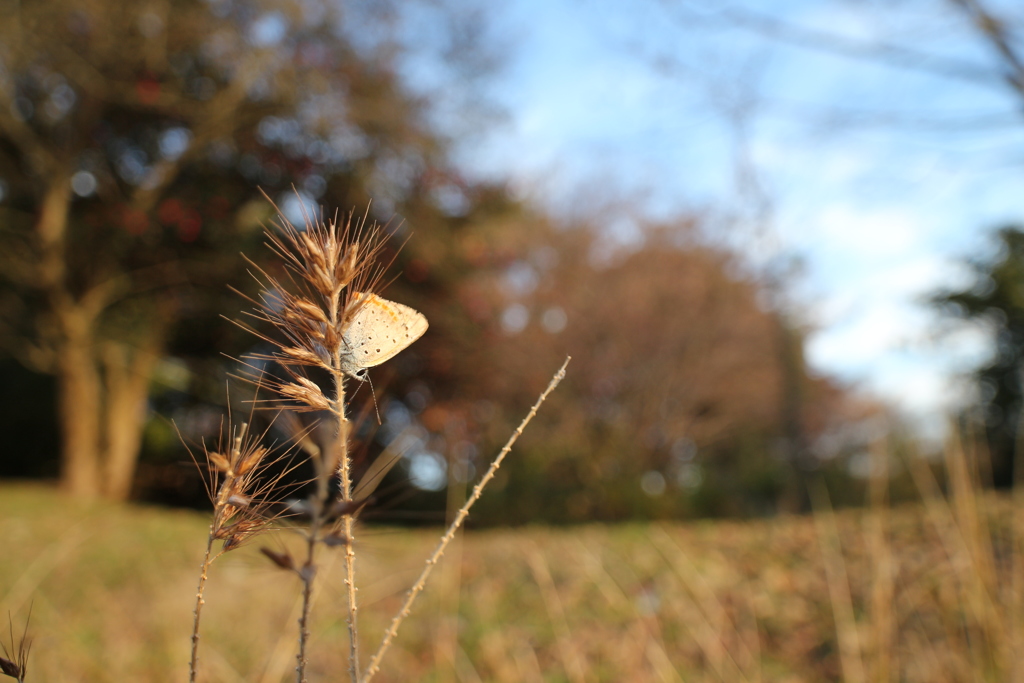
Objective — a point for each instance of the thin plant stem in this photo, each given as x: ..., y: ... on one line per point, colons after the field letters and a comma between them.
x: 1016, y: 537
x: 572, y: 663
x: 882, y: 611
x: 308, y: 570
x: 345, y: 476
x: 374, y: 666
x: 223, y: 493
x: 197, y: 612
x: 850, y: 651
x: 350, y: 585
x: 307, y: 574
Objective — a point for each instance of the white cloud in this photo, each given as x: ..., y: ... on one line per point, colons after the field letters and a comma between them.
x: 868, y: 234
x: 853, y: 345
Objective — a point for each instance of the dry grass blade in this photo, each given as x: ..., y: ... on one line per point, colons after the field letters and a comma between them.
x: 838, y: 586
x: 710, y: 618
x: 572, y: 662
x: 883, y: 612
x: 373, y: 476
x: 977, y: 598
x: 374, y: 664
x: 1015, y: 628
x: 649, y: 636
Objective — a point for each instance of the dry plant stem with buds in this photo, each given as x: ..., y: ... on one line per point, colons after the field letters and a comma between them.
x: 240, y: 510
x: 330, y: 321
x: 460, y: 517
x: 332, y: 270
x: 219, y: 506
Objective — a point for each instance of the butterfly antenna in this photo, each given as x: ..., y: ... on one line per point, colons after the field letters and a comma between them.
x: 373, y: 394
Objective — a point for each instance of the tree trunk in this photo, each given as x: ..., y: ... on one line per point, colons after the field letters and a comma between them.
x: 79, y: 392
x: 80, y: 397
x: 101, y: 416
x: 127, y: 374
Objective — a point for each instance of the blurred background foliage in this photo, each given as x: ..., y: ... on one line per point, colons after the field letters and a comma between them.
x: 135, y: 138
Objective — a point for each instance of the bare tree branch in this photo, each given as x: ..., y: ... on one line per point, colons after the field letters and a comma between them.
x: 824, y: 41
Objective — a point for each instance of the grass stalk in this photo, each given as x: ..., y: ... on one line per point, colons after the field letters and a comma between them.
x: 709, y: 618
x: 883, y: 616
x: 374, y: 664
x: 236, y: 483
x: 347, y: 519
x: 14, y: 662
x: 572, y: 662
x: 1016, y: 612
x: 850, y: 652
x: 227, y: 502
x: 204, y: 570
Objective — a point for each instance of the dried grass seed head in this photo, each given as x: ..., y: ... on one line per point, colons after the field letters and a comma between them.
x: 327, y: 255
x: 305, y: 393
x: 328, y: 262
x: 244, y: 490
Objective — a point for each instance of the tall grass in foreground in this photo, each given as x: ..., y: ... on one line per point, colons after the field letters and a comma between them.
x: 980, y: 597
x: 327, y: 321
x: 700, y: 601
x: 930, y: 592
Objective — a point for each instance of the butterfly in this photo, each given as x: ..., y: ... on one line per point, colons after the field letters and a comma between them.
x: 378, y: 332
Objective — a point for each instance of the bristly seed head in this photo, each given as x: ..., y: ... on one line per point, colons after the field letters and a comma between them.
x: 241, y: 488
x: 329, y: 262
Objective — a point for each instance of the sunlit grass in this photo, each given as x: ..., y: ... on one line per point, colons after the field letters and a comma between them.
x: 112, y: 589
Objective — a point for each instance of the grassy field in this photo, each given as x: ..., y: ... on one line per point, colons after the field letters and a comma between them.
x: 914, y: 594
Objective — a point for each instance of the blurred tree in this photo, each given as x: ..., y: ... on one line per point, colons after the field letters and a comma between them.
x: 132, y: 138
x: 677, y: 401
x: 996, y: 300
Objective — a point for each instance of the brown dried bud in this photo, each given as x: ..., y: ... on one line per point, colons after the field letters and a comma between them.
x: 305, y: 392
x: 218, y: 461
x: 331, y: 341
x: 224, y: 532
x: 282, y: 560
x: 9, y: 668
x: 239, y: 501
x: 251, y: 460
x: 334, y: 539
x: 235, y: 534
x: 321, y: 279
x: 313, y: 250
x: 233, y: 542
x: 309, y: 309
x: 346, y: 267
x: 294, y: 355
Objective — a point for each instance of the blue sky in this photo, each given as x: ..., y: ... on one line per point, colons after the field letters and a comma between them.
x: 639, y: 100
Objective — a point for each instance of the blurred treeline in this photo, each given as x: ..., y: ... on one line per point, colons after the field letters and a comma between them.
x: 135, y: 138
